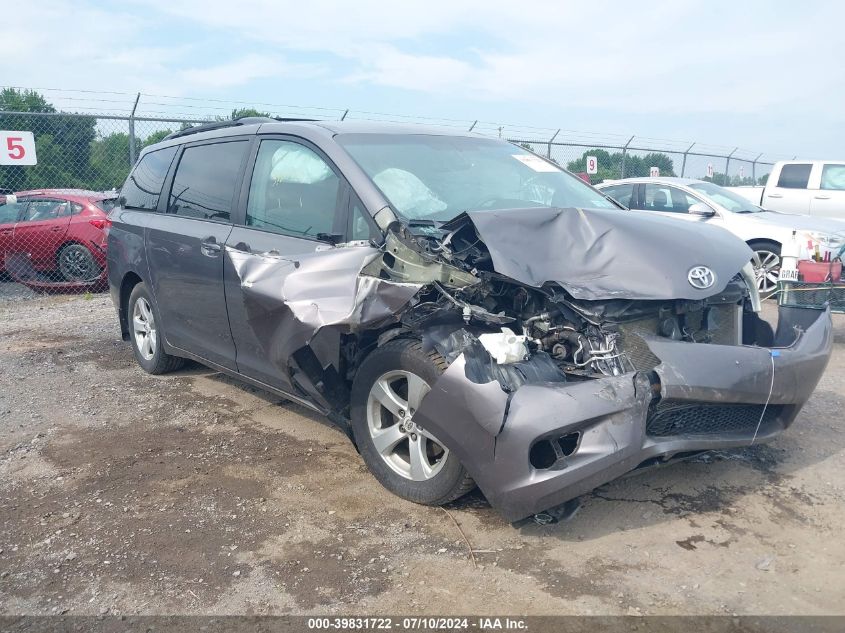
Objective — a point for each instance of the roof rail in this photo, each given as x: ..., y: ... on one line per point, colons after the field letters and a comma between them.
x: 216, y: 125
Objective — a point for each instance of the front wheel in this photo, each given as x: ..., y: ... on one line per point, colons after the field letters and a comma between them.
x: 766, y: 263
x: 406, y: 459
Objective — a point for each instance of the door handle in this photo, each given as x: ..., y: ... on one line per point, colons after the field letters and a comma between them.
x: 775, y: 195
x: 56, y: 229
x: 822, y: 197
x: 210, y: 247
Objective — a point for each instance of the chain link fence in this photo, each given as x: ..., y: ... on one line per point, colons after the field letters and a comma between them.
x: 53, y: 215
x: 632, y: 159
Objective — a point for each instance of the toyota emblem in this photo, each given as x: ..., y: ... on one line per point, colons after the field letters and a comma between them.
x: 701, y: 277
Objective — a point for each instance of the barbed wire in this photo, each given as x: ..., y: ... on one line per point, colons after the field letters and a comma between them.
x: 209, y: 108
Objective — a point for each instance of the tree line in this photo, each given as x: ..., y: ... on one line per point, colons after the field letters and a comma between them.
x: 610, y: 168
x: 71, y: 152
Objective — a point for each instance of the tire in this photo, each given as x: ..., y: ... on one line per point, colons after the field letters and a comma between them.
x: 766, y: 262
x: 416, y: 467
x: 76, y: 263
x: 145, y: 334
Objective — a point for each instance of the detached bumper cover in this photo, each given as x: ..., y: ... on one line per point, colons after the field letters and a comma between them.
x: 710, y: 397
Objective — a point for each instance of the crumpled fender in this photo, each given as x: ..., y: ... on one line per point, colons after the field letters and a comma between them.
x: 294, y: 304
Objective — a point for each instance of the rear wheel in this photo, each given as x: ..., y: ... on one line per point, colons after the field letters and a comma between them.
x: 145, y: 334
x: 407, y: 459
x: 766, y: 262
x: 77, y: 263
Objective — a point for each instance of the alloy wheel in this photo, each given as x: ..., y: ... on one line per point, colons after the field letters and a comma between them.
x: 407, y: 449
x: 77, y: 264
x: 144, y: 328
x: 766, y: 270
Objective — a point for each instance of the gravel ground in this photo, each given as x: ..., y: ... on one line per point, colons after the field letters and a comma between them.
x: 191, y: 493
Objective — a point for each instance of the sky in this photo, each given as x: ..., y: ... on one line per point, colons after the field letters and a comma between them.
x: 763, y: 76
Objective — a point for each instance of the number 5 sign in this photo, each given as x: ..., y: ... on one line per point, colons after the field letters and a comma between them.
x: 17, y: 148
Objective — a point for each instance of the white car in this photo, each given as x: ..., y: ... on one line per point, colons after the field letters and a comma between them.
x: 764, y: 231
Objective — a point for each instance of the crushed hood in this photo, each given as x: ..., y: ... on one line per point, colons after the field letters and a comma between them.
x: 607, y: 254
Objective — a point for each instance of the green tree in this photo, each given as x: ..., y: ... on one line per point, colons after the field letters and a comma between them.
x: 659, y: 160
x: 610, y: 165
x: 239, y: 113
x: 722, y: 180
x: 109, y: 161
x: 155, y: 137
x: 62, y: 143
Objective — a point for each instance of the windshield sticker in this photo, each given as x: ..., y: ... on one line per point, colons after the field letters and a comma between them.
x: 536, y: 163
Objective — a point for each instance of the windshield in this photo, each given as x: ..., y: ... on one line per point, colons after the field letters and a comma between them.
x: 426, y: 177
x: 731, y: 201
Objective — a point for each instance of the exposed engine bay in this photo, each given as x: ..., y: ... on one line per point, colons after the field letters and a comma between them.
x: 515, y: 321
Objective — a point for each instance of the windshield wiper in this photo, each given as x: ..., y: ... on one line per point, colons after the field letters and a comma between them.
x: 421, y: 222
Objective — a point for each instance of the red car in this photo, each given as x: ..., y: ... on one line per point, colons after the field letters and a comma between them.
x: 55, y: 235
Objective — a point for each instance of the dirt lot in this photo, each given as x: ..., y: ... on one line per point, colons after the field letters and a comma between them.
x: 190, y: 493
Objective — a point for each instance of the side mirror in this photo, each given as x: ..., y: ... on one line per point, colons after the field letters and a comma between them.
x: 701, y: 209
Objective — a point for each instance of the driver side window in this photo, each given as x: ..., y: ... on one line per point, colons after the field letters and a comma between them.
x: 293, y: 191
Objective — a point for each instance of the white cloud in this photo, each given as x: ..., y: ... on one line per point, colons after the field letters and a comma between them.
x: 654, y: 57
x: 245, y: 70
x: 660, y: 58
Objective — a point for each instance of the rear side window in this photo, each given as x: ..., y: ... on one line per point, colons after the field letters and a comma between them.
x: 207, y: 180
x: 143, y: 187
x: 833, y: 177
x: 623, y: 194
x: 794, y: 176
x: 46, y: 209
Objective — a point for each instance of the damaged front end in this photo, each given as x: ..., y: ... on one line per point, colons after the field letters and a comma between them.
x: 555, y: 387
x: 575, y: 353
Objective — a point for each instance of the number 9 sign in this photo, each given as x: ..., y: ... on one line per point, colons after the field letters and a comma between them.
x: 17, y: 148
x: 592, y: 165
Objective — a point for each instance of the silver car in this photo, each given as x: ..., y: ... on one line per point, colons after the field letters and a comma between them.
x: 704, y: 202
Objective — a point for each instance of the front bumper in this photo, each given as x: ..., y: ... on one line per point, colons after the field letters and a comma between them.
x: 616, y: 419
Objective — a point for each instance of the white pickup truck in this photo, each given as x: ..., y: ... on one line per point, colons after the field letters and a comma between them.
x: 814, y: 187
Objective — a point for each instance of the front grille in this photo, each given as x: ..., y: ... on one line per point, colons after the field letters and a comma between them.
x: 725, y: 321
x: 633, y: 345
x: 668, y: 418
x: 725, y: 329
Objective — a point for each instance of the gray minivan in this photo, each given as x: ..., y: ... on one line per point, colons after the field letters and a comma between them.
x: 467, y: 311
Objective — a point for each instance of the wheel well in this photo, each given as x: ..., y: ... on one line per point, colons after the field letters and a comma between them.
x: 360, y: 345
x: 130, y: 280
x: 761, y: 242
